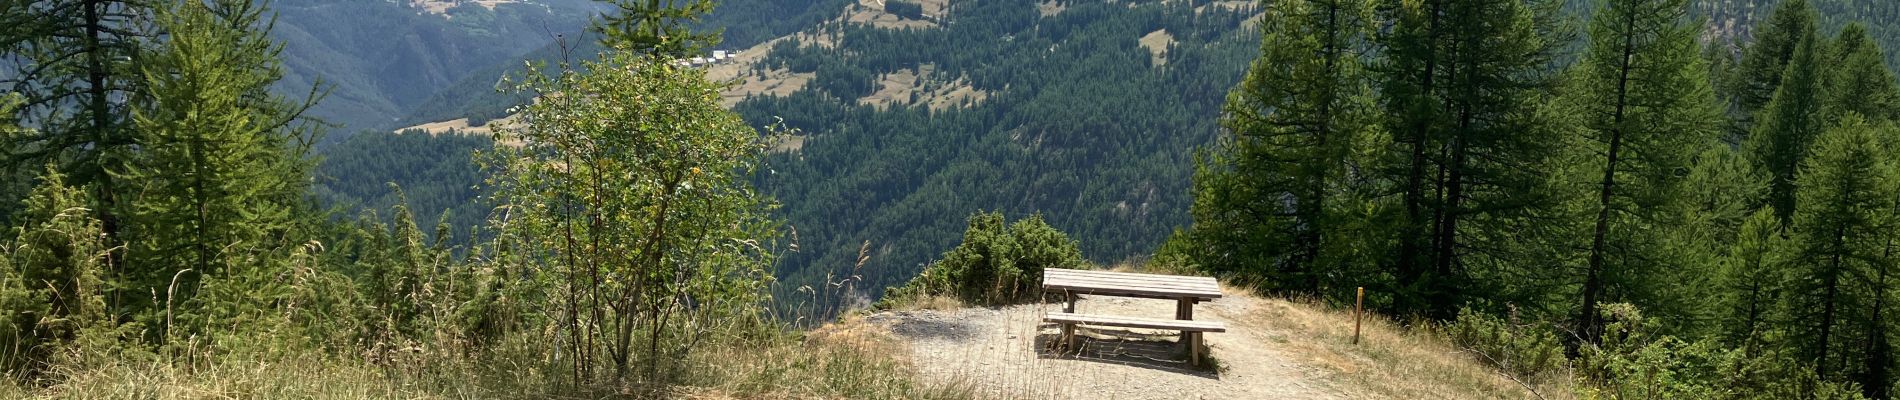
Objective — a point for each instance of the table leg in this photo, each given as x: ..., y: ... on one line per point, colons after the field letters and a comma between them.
x: 1068, y: 330
x: 1184, y: 310
x: 1194, y: 348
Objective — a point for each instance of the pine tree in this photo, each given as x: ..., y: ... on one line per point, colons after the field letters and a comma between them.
x: 219, y: 165
x: 1790, y: 122
x: 1649, y: 110
x: 1841, y: 230
x: 1295, y: 121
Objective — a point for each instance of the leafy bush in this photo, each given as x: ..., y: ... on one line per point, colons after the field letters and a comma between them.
x: 1631, y: 363
x: 1522, y: 349
x: 50, y: 279
x: 995, y: 264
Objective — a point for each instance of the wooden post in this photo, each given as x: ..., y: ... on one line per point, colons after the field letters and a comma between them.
x: 1358, y: 311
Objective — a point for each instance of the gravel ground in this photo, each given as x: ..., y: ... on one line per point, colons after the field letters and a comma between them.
x: 1003, y: 353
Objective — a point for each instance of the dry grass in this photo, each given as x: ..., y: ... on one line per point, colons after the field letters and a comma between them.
x: 930, y: 302
x: 840, y: 361
x: 1390, y: 361
x: 847, y: 359
x: 1157, y: 43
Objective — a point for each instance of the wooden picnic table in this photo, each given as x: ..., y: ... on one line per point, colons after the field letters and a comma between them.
x: 1185, y: 290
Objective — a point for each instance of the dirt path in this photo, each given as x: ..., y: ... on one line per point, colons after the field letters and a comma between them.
x: 1002, y: 353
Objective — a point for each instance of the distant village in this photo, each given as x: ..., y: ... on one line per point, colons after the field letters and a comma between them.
x: 717, y: 57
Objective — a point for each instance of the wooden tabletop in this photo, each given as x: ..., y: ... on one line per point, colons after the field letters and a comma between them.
x: 1130, y: 284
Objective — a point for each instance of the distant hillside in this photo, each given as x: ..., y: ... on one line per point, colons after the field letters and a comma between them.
x: 743, y: 23
x: 435, y: 171
x: 1733, y: 19
x: 380, y: 59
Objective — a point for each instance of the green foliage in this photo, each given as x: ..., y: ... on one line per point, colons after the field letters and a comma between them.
x: 1297, y: 121
x: 1764, y: 62
x: 1791, y: 121
x: 1525, y: 349
x: 436, y: 174
x: 220, y: 166
x: 1634, y: 362
x: 1842, y: 231
x: 997, y: 263
x: 1862, y: 84
x: 52, y: 289
x: 1752, y: 279
x: 656, y: 28
x: 1649, y: 110
x: 629, y: 186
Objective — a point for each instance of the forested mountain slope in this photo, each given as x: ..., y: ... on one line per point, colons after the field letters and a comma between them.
x: 380, y: 59
x: 1079, y: 121
x: 1734, y: 19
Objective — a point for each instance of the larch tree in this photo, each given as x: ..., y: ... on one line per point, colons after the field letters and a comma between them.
x: 1295, y: 121
x: 659, y: 27
x: 1648, y: 110
x: 221, y: 162
x: 1765, y: 62
x: 1841, y: 230
x: 73, y: 63
x: 1861, y: 82
x: 1752, y: 278
x: 1468, y: 83
x: 1790, y: 122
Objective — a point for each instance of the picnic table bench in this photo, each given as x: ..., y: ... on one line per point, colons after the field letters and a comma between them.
x: 1185, y: 290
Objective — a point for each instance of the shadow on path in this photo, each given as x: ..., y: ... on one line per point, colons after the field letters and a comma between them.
x: 1160, y: 352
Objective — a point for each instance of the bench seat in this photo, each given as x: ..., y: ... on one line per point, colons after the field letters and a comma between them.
x: 1132, y: 322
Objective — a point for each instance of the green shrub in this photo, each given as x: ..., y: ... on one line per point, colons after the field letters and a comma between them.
x: 1632, y: 363
x: 51, y: 287
x: 1521, y: 349
x: 995, y: 264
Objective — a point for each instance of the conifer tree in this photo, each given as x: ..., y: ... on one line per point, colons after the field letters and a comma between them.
x: 1765, y: 62
x: 657, y: 27
x: 1790, y: 122
x: 1295, y: 121
x: 1751, y: 282
x: 73, y: 62
x: 1648, y: 111
x: 1861, y: 82
x: 1469, y: 83
x: 1841, y: 230
x: 219, y: 165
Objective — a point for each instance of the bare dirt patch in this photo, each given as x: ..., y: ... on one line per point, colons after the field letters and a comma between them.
x: 1273, y: 349
x: 1004, y: 352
